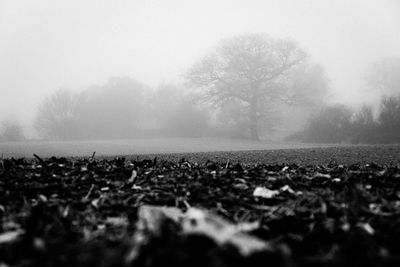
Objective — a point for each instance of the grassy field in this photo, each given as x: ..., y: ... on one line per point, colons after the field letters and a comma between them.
x: 138, y: 147
x: 203, y: 149
x: 345, y: 155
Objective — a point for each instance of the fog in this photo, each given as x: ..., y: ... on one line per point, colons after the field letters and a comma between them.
x: 84, y: 47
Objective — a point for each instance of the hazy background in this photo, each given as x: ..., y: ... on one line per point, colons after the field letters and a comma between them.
x: 47, y: 45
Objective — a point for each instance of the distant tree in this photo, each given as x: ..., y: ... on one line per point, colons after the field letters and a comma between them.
x: 11, y: 131
x: 364, y: 116
x: 384, y: 76
x: 389, y: 112
x: 252, y: 69
x: 389, y: 119
x: 233, y: 121
x: 176, y: 113
x: 56, y: 116
x: 187, y: 121
x: 330, y: 125
x: 338, y: 123
x: 364, y: 126
x: 112, y: 110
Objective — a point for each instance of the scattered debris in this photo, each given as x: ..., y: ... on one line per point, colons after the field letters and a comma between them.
x: 367, y: 228
x: 117, y: 221
x: 92, y: 212
x: 133, y: 176
x: 153, y: 219
x: 265, y: 192
x: 10, y: 236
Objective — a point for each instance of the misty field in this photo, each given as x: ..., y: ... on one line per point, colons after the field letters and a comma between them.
x: 137, y: 147
x: 203, y: 149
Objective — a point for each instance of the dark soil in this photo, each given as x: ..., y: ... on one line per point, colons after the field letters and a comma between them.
x: 84, y: 212
x: 380, y: 154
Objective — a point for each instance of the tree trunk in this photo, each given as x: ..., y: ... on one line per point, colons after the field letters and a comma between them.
x: 254, y: 120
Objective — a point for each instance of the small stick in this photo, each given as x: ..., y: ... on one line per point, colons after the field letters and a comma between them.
x: 227, y: 164
x: 39, y: 158
x: 187, y: 205
x: 41, y: 161
x: 89, y: 193
x: 94, y: 153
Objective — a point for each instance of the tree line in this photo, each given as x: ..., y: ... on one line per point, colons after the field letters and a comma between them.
x: 341, y: 124
x: 11, y: 132
x: 230, y: 92
x: 239, y: 88
x: 122, y: 108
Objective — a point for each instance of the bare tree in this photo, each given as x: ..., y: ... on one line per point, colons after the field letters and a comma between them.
x: 389, y: 117
x: 332, y: 124
x: 112, y: 110
x: 176, y: 113
x: 11, y: 131
x: 57, y: 115
x: 251, y: 68
x: 364, y: 127
x: 109, y: 111
x: 365, y: 116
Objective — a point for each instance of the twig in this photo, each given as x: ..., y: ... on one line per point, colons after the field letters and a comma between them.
x: 39, y: 158
x: 89, y: 193
x: 227, y: 164
x: 187, y: 205
x: 94, y: 153
x: 43, y: 163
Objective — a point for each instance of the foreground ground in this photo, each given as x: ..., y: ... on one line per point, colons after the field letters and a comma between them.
x: 308, y: 207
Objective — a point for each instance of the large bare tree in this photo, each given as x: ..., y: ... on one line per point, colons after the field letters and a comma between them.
x: 251, y: 68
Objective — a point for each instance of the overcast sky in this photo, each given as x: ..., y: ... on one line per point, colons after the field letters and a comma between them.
x: 48, y: 44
